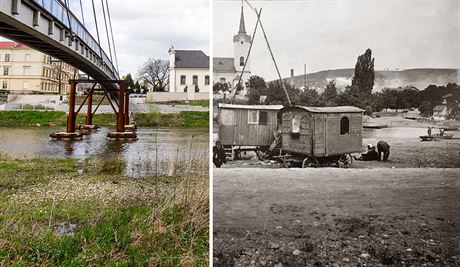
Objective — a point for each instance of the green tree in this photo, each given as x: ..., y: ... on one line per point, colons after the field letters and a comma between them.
x: 364, y: 73
x: 329, y: 96
x: 129, y: 81
x: 257, y: 87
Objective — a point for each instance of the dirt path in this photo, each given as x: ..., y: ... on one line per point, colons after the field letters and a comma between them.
x: 336, y: 217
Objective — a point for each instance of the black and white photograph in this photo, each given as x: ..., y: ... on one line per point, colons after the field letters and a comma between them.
x: 336, y: 135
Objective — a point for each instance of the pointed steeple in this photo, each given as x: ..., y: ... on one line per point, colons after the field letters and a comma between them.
x: 242, y: 27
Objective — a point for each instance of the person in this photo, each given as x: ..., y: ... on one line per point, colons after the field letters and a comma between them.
x: 441, y: 132
x: 383, y: 148
x: 429, y: 131
x: 370, y: 155
x: 219, y: 156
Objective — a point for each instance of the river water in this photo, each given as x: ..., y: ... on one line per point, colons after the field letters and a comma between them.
x: 170, y: 144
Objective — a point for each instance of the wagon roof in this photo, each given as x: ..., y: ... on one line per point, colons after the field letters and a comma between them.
x: 340, y: 109
x: 266, y: 107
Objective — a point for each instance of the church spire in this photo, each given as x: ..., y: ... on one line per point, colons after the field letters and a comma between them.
x: 242, y: 27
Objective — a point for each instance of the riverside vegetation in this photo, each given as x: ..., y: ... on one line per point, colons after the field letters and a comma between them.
x: 70, y: 212
x: 58, y: 118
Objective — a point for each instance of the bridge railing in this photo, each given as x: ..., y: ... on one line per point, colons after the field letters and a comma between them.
x: 59, y: 11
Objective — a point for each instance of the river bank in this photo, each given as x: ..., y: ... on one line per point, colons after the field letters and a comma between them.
x: 58, y: 118
x: 61, y: 212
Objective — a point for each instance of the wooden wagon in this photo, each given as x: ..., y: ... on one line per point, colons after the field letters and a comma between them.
x: 247, y: 127
x: 316, y: 136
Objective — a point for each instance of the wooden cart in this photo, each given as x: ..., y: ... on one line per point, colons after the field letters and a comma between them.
x: 247, y: 127
x: 320, y: 136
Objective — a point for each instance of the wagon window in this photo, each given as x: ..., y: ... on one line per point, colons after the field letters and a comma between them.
x: 344, y: 126
x: 263, y: 117
x: 296, y: 124
x: 253, y: 117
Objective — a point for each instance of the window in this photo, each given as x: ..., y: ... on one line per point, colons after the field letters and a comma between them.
x: 344, y: 126
x: 263, y: 117
x: 6, y: 70
x: 182, y: 80
x: 206, y: 80
x: 296, y: 124
x: 4, y: 85
x: 194, y: 79
x: 222, y: 80
x: 26, y: 70
x: 253, y: 117
x: 241, y: 61
x: 7, y: 57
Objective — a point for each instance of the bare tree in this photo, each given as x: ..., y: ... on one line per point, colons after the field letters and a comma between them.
x: 156, y: 73
x: 61, y: 76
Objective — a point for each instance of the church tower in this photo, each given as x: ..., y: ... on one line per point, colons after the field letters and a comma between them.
x: 241, y: 43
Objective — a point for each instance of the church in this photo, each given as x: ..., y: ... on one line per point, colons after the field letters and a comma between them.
x: 228, y: 69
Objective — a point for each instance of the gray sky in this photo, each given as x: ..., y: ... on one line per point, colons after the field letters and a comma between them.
x: 328, y: 34
x: 147, y: 28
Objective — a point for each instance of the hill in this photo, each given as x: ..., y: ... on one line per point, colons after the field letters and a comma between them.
x: 420, y: 78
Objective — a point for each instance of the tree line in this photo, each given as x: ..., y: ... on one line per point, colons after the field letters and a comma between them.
x: 359, y: 93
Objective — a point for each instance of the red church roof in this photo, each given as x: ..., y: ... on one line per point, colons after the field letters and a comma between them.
x: 10, y: 45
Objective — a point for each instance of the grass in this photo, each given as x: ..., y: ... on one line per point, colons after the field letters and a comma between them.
x: 50, y: 215
x: 57, y: 118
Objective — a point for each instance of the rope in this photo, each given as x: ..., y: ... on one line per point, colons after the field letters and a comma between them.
x: 273, y: 57
x: 106, y: 30
x: 111, y: 32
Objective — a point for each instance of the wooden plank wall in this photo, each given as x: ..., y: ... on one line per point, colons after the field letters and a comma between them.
x: 302, y: 144
x: 341, y: 144
x: 244, y: 134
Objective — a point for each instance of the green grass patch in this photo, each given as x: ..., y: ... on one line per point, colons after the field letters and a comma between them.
x: 57, y: 118
x: 41, y: 226
x: 32, y: 118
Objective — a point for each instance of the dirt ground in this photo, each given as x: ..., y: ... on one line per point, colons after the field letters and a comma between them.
x: 407, y: 150
x: 336, y: 217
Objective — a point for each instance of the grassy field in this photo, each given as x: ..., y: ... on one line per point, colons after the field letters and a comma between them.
x: 65, y: 212
x: 57, y: 118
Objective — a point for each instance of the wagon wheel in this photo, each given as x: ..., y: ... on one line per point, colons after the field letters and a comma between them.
x: 310, y: 162
x: 262, y: 154
x: 345, y: 161
x: 286, y: 163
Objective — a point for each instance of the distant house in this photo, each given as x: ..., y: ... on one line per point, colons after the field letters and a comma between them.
x: 440, y: 112
x: 399, y: 89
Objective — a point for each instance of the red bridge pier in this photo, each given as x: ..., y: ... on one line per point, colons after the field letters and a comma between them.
x: 122, y: 115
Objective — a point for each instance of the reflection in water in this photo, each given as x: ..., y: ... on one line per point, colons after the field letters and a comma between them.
x: 172, y: 145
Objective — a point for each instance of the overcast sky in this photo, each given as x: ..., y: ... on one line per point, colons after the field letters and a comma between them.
x: 147, y: 28
x: 328, y: 34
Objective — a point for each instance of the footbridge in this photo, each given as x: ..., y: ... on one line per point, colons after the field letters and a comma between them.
x: 51, y: 27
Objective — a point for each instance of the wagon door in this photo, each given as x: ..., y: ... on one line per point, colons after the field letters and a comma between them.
x: 227, y: 126
x: 306, y: 133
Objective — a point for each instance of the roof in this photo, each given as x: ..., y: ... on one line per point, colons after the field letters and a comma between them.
x: 258, y: 107
x: 11, y: 45
x: 191, y: 59
x: 223, y: 64
x: 439, y: 108
x: 340, y: 109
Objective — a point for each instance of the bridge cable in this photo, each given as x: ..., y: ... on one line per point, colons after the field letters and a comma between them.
x: 82, y: 15
x: 97, y: 30
x: 68, y: 18
x: 106, y: 30
x: 111, y: 31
